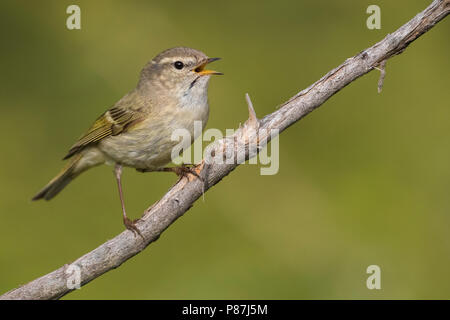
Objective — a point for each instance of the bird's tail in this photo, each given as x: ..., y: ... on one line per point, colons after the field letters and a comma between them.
x: 67, y: 174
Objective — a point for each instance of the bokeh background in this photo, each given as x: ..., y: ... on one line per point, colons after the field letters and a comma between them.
x: 363, y: 180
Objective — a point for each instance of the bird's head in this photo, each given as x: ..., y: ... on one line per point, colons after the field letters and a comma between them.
x: 178, y: 71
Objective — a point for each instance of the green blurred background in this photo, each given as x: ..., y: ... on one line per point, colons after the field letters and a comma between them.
x: 363, y: 180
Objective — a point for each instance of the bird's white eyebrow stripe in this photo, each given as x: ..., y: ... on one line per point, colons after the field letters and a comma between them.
x: 173, y: 59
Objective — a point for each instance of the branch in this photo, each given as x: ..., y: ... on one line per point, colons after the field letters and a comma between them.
x: 185, y: 192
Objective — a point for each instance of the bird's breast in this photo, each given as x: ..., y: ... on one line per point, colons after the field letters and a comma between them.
x: 149, y: 144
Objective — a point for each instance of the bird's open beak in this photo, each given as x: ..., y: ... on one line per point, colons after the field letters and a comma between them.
x: 200, y: 69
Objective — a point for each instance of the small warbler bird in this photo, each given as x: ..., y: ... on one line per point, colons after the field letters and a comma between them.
x: 171, y: 94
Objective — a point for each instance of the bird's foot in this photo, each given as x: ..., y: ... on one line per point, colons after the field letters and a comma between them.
x: 184, y: 171
x: 131, y: 225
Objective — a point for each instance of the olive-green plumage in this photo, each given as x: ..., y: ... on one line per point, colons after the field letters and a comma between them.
x: 136, y: 132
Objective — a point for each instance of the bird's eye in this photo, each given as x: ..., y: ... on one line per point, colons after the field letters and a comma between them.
x: 179, y: 65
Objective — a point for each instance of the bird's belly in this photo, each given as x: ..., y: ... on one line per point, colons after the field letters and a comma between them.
x: 139, y: 151
x: 150, y: 145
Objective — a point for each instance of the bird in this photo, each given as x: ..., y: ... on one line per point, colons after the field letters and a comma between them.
x: 171, y: 94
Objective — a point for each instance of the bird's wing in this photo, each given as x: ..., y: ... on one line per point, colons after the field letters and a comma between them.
x: 111, y: 123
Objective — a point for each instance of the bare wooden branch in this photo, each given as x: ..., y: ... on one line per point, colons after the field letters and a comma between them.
x: 183, y: 194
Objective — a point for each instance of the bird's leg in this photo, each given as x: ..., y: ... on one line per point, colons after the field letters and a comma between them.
x: 129, y: 224
x: 182, y: 171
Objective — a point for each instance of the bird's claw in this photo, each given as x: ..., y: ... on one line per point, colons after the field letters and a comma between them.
x: 184, y: 170
x: 131, y: 225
